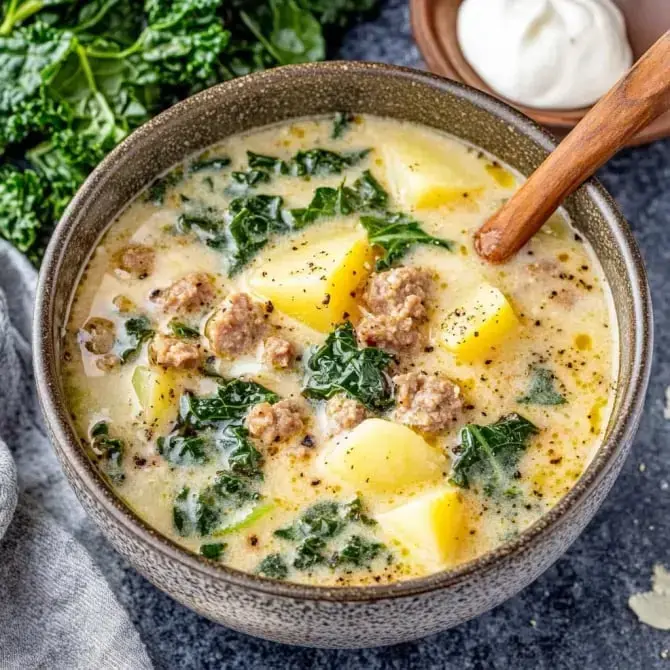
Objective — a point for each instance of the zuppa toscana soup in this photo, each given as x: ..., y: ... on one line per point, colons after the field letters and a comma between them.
x: 286, y: 356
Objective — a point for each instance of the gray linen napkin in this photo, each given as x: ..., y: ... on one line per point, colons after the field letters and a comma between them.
x: 56, y: 609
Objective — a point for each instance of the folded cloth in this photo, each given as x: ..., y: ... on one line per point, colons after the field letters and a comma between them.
x: 56, y: 609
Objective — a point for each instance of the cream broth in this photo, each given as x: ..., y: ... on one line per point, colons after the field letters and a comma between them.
x: 534, y: 339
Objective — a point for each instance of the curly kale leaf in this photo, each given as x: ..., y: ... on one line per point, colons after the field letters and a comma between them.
x: 541, y: 390
x: 489, y: 454
x: 396, y: 234
x: 340, y: 366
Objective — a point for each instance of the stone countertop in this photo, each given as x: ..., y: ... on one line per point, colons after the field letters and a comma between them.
x: 576, y: 614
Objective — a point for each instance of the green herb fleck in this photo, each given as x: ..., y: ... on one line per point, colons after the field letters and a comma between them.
x: 213, y: 550
x: 273, y: 566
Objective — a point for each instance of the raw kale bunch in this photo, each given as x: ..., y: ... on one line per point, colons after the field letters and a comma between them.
x: 79, y: 75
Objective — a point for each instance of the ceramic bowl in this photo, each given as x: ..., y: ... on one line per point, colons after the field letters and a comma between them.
x: 326, y: 616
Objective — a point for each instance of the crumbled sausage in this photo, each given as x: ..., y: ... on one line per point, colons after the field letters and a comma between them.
x: 275, y: 423
x: 137, y: 260
x: 237, y: 325
x: 344, y: 413
x: 278, y: 352
x: 171, y: 352
x: 107, y: 363
x: 401, y: 291
x: 98, y: 335
x: 428, y: 402
x: 395, y: 308
x: 388, y: 332
x: 191, y: 293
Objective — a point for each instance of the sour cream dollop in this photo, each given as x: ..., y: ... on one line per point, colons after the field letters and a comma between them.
x: 559, y: 54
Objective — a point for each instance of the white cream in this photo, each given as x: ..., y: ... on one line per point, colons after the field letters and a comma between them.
x: 560, y: 54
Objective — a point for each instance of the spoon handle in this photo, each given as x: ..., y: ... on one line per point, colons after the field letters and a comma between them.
x: 637, y: 99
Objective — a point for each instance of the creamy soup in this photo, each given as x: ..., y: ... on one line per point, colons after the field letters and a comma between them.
x: 286, y: 356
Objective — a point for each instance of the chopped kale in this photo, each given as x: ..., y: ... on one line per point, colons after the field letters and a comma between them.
x: 357, y: 551
x: 157, y: 191
x: 213, y: 550
x: 541, y: 390
x: 489, y: 454
x: 137, y: 330
x: 324, y: 162
x: 207, y: 228
x: 273, y: 566
x: 340, y: 366
x: 231, y: 401
x: 309, y: 553
x: 209, y: 164
x: 341, y: 123
x: 110, y: 450
x: 396, y: 233
x: 180, y: 450
x: 254, y: 220
x: 183, y: 330
x: 270, y: 164
x: 365, y: 194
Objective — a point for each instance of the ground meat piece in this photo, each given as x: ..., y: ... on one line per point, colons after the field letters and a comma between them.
x: 136, y: 259
x: 98, y: 335
x: 278, y: 352
x: 171, y: 352
x: 427, y: 402
x: 108, y: 362
x: 395, y: 303
x: 275, y: 423
x: 191, y: 293
x: 345, y: 413
x: 388, y: 332
x: 237, y: 325
x: 401, y: 291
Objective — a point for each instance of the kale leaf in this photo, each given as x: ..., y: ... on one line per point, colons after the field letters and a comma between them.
x: 319, y: 524
x: 489, y: 454
x: 137, y: 330
x: 206, y: 227
x: 357, y: 551
x: 341, y: 123
x: 183, y: 450
x: 183, y: 330
x: 324, y: 162
x: 273, y: 566
x: 255, y: 219
x: 110, y: 450
x: 213, y: 550
x: 541, y: 390
x: 340, y: 366
x: 231, y: 402
x: 396, y: 233
x: 78, y: 77
x: 366, y: 193
x: 218, y: 163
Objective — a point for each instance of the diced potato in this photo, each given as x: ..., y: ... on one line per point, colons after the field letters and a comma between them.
x: 432, y: 526
x: 424, y: 176
x: 158, y: 392
x: 471, y: 330
x: 314, y: 283
x: 380, y: 456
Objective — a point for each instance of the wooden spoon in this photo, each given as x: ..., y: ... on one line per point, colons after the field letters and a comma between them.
x: 636, y: 100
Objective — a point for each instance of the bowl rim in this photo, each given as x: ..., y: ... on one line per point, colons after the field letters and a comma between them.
x: 67, y: 445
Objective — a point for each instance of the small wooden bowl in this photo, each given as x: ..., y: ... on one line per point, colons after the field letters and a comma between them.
x: 434, y: 23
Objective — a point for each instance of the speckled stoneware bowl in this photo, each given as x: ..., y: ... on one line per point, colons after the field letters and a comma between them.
x: 321, y: 616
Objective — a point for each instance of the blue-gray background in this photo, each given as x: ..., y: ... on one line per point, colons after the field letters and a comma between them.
x: 576, y: 614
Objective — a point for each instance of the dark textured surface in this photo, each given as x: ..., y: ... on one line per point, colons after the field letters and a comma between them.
x: 576, y: 613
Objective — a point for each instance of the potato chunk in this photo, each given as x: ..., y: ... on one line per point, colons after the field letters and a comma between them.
x: 380, y: 456
x: 432, y: 526
x: 313, y: 282
x: 424, y: 176
x: 157, y: 391
x: 482, y: 322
